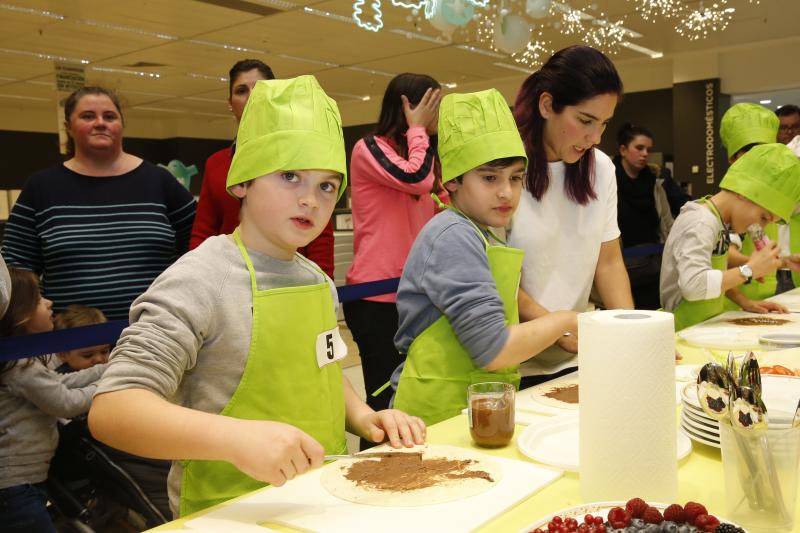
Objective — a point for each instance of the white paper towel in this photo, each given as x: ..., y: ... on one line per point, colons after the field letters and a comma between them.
x: 627, y: 406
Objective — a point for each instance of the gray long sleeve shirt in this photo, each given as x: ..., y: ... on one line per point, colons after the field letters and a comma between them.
x: 189, y: 336
x: 447, y: 272
x: 32, y: 398
x: 686, y: 272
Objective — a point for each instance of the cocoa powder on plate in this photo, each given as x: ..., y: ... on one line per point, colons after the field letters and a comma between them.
x: 758, y: 321
x: 398, y: 473
x: 566, y: 394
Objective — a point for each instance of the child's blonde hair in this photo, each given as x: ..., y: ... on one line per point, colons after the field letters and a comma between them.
x: 75, y: 316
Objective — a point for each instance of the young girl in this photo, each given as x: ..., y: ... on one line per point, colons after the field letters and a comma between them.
x: 75, y: 316
x: 392, y: 173
x: 31, y: 398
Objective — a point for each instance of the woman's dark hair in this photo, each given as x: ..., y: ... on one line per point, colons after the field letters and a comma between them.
x: 72, y: 101
x: 571, y: 76
x: 392, y: 121
x: 629, y: 132
x: 25, y: 297
x: 246, y: 65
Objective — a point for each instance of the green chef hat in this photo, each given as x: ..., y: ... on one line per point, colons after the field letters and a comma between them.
x: 745, y: 124
x: 288, y: 125
x: 768, y: 175
x: 475, y: 128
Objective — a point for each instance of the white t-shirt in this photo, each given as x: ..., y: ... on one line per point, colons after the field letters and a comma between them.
x: 561, y: 240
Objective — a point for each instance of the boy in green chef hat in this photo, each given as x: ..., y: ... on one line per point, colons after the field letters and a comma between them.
x: 762, y: 186
x: 743, y: 126
x: 231, y: 361
x: 457, y: 299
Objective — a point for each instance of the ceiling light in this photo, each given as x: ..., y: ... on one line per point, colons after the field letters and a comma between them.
x: 480, y: 51
x: 227, y: 46
x: 450, y: 85
x: 157, y: 95
x: 308, y: 60
x: 281, y: 4
x: 698, y: 23
x: 348, y: 96
x: 159, y: 109
x: 513, y: 67
x: 140, y: 73
x: 372, y: 71
x: 328, y: 14
x: 651, y: 9
x: 199, y: 99
x: 39, y: 82
x: 127, y: 29
x: 765, y: 102
x: 419, y: 36
x: 206, y: 77
x: 210, y: 114
x: 24, y: 97
x: 30, y: 11
x: 48, y: 57
x: 642, y: 50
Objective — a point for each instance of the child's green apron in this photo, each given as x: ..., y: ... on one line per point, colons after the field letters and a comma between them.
x: 282, y: 382
x: 689, y: 313
x: 438, y: 369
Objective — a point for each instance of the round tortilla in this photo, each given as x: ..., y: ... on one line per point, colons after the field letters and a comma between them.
x: 334, y: 481
x: 539, y: 391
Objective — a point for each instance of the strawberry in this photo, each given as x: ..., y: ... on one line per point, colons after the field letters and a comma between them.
x: 652, y: 516
x: 636, y: 507
x: 705, y: 522
x: 692, y: 510
x: 674, y: 513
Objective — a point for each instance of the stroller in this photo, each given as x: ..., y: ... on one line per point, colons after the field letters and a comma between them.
x: 86, y: 480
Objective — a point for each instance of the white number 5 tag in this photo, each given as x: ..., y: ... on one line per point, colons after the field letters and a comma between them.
x: 330, y: 347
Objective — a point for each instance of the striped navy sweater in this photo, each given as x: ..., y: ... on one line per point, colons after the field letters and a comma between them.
x: 98, y: 241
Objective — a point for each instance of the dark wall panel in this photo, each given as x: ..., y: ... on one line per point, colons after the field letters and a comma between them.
x: 649, y: 109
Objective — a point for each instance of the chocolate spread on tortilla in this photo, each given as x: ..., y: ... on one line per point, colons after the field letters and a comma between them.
x: 398, y: 473
x: 758, y: 321
x: 567, y: 394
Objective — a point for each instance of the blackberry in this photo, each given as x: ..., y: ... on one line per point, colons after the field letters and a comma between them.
x: 728, y: 528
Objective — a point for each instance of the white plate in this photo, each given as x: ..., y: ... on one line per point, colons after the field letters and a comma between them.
x: 556, y: 441
x: 696, y: 437
x: 597, y: 508
x: 706, y: 423
x: 699, y: 428
x: 723, y: 338
x: 785, y: 339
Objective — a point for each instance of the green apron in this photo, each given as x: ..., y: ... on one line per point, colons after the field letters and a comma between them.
x: 794, y: 243
x: 438, y: 369
x: 689, y: 313
x: 282, y: 381
x: 755, y: 290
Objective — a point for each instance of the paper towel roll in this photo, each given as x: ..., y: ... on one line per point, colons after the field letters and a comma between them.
x: 627, y: 406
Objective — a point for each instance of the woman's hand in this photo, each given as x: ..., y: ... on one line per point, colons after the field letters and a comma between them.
x: 425, y: 113
x: 763, y: 306
x: 400, y: 428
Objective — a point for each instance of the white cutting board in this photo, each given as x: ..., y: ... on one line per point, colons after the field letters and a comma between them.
x: 717, y: 332
x: 305, y: 505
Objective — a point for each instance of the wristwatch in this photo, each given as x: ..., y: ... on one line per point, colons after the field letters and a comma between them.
x: 747, y: 273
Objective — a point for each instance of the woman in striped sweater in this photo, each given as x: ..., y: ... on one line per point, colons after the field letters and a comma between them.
x: 101, y: 226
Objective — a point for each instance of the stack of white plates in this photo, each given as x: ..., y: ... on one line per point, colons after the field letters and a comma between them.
x: 780, y: 394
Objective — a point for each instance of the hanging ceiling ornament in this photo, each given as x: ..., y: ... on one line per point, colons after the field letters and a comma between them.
x: 535, y: 52
x: 606, y: 36
x: 537, y: 9
x: 697, y: 24
x: 448, y: 15
x: 650, y: 10
x: 569, y: 21
x: 485, y: 23
x: 511, y: 33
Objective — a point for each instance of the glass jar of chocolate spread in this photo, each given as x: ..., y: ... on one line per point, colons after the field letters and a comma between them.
x: 491, y: 413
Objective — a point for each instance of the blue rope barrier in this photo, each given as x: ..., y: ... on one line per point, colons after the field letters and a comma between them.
x: 639, y: 251
x: 24, y: 346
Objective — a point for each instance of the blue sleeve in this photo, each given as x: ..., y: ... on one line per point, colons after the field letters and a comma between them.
x: 181, y: 208
x: 459, y: 283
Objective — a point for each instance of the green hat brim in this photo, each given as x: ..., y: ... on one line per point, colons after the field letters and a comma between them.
x: 481, y: 150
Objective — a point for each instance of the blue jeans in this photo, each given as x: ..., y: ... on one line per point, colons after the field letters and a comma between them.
x: 23, y: 509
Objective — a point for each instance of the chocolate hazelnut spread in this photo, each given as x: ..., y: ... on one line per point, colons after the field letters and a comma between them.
x: 758, y: 321
x: 406, y: 472
x: 492, y: 422
x: 566, y: 394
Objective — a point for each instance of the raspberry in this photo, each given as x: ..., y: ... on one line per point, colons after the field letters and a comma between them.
x: 652, y: 516
x: 636, y: 507
x: 692, y: 510
x: 618, y: 515
x: 705, y: 522
x: 674, y: 513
